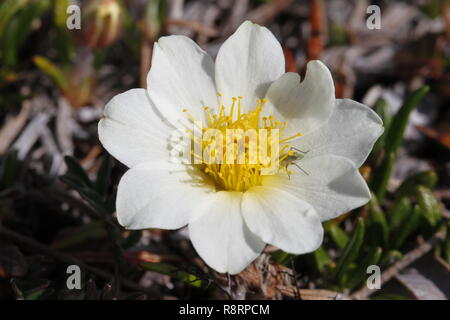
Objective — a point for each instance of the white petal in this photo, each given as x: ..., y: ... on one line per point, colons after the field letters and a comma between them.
x: 351, y: 132
x: 282, y: 219
x: 306, y: 105
x: 221, y: 237
x: 181, y: 77
x: 132, y: 131
x: 247, y: 63
x: 160, y: 195
x: 332, y: 185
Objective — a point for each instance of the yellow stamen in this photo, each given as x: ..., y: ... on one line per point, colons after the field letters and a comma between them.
x: 290, y: 138
x: 238, y: 176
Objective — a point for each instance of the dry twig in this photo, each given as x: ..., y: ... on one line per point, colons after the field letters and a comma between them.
x: 407, y: 260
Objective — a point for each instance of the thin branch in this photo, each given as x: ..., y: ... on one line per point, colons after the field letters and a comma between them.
x: 266, y: 13
x: 194, y: 26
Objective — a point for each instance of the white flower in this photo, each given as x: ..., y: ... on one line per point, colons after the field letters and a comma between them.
x: 232, y: 210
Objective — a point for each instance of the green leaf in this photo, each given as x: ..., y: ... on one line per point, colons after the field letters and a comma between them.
x: 395, y: 134
x: 35, y: 295
x: 281, y: 257
x: 398, y: 214
x: 75, y: 170
x: 103, y: 175
x: 9, y: 170
x: 93, y: 231
x: 73, y: 182
x: 409, y: 186
x: 351, y: 250
x: 339, y: 236
x: 429, y: 206
x: 382, y: 109
x: 7, y: 10
x: 77, y: 178
x: 321, y: 259
x: 378, y: 229
x: 173, y: 272
x: 30, y: 289
x: 338, y: 34
x: 94, y: 199
x: 394, y: 138
x: 409, y: 226
x: 382, y: 176
x: 88, y: 194
x: 60, y: 13
x: 391, y: 257
x: 52, y: 71
x: 20, y: 28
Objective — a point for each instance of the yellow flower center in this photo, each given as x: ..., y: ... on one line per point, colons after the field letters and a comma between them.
x: 238, y: 148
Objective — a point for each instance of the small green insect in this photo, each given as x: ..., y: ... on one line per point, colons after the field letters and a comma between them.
x: 297, y: 155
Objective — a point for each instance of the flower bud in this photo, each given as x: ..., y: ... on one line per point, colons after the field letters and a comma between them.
x: 102, y: 23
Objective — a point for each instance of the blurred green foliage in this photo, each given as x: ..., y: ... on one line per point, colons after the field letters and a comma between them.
x: 16, y: 25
